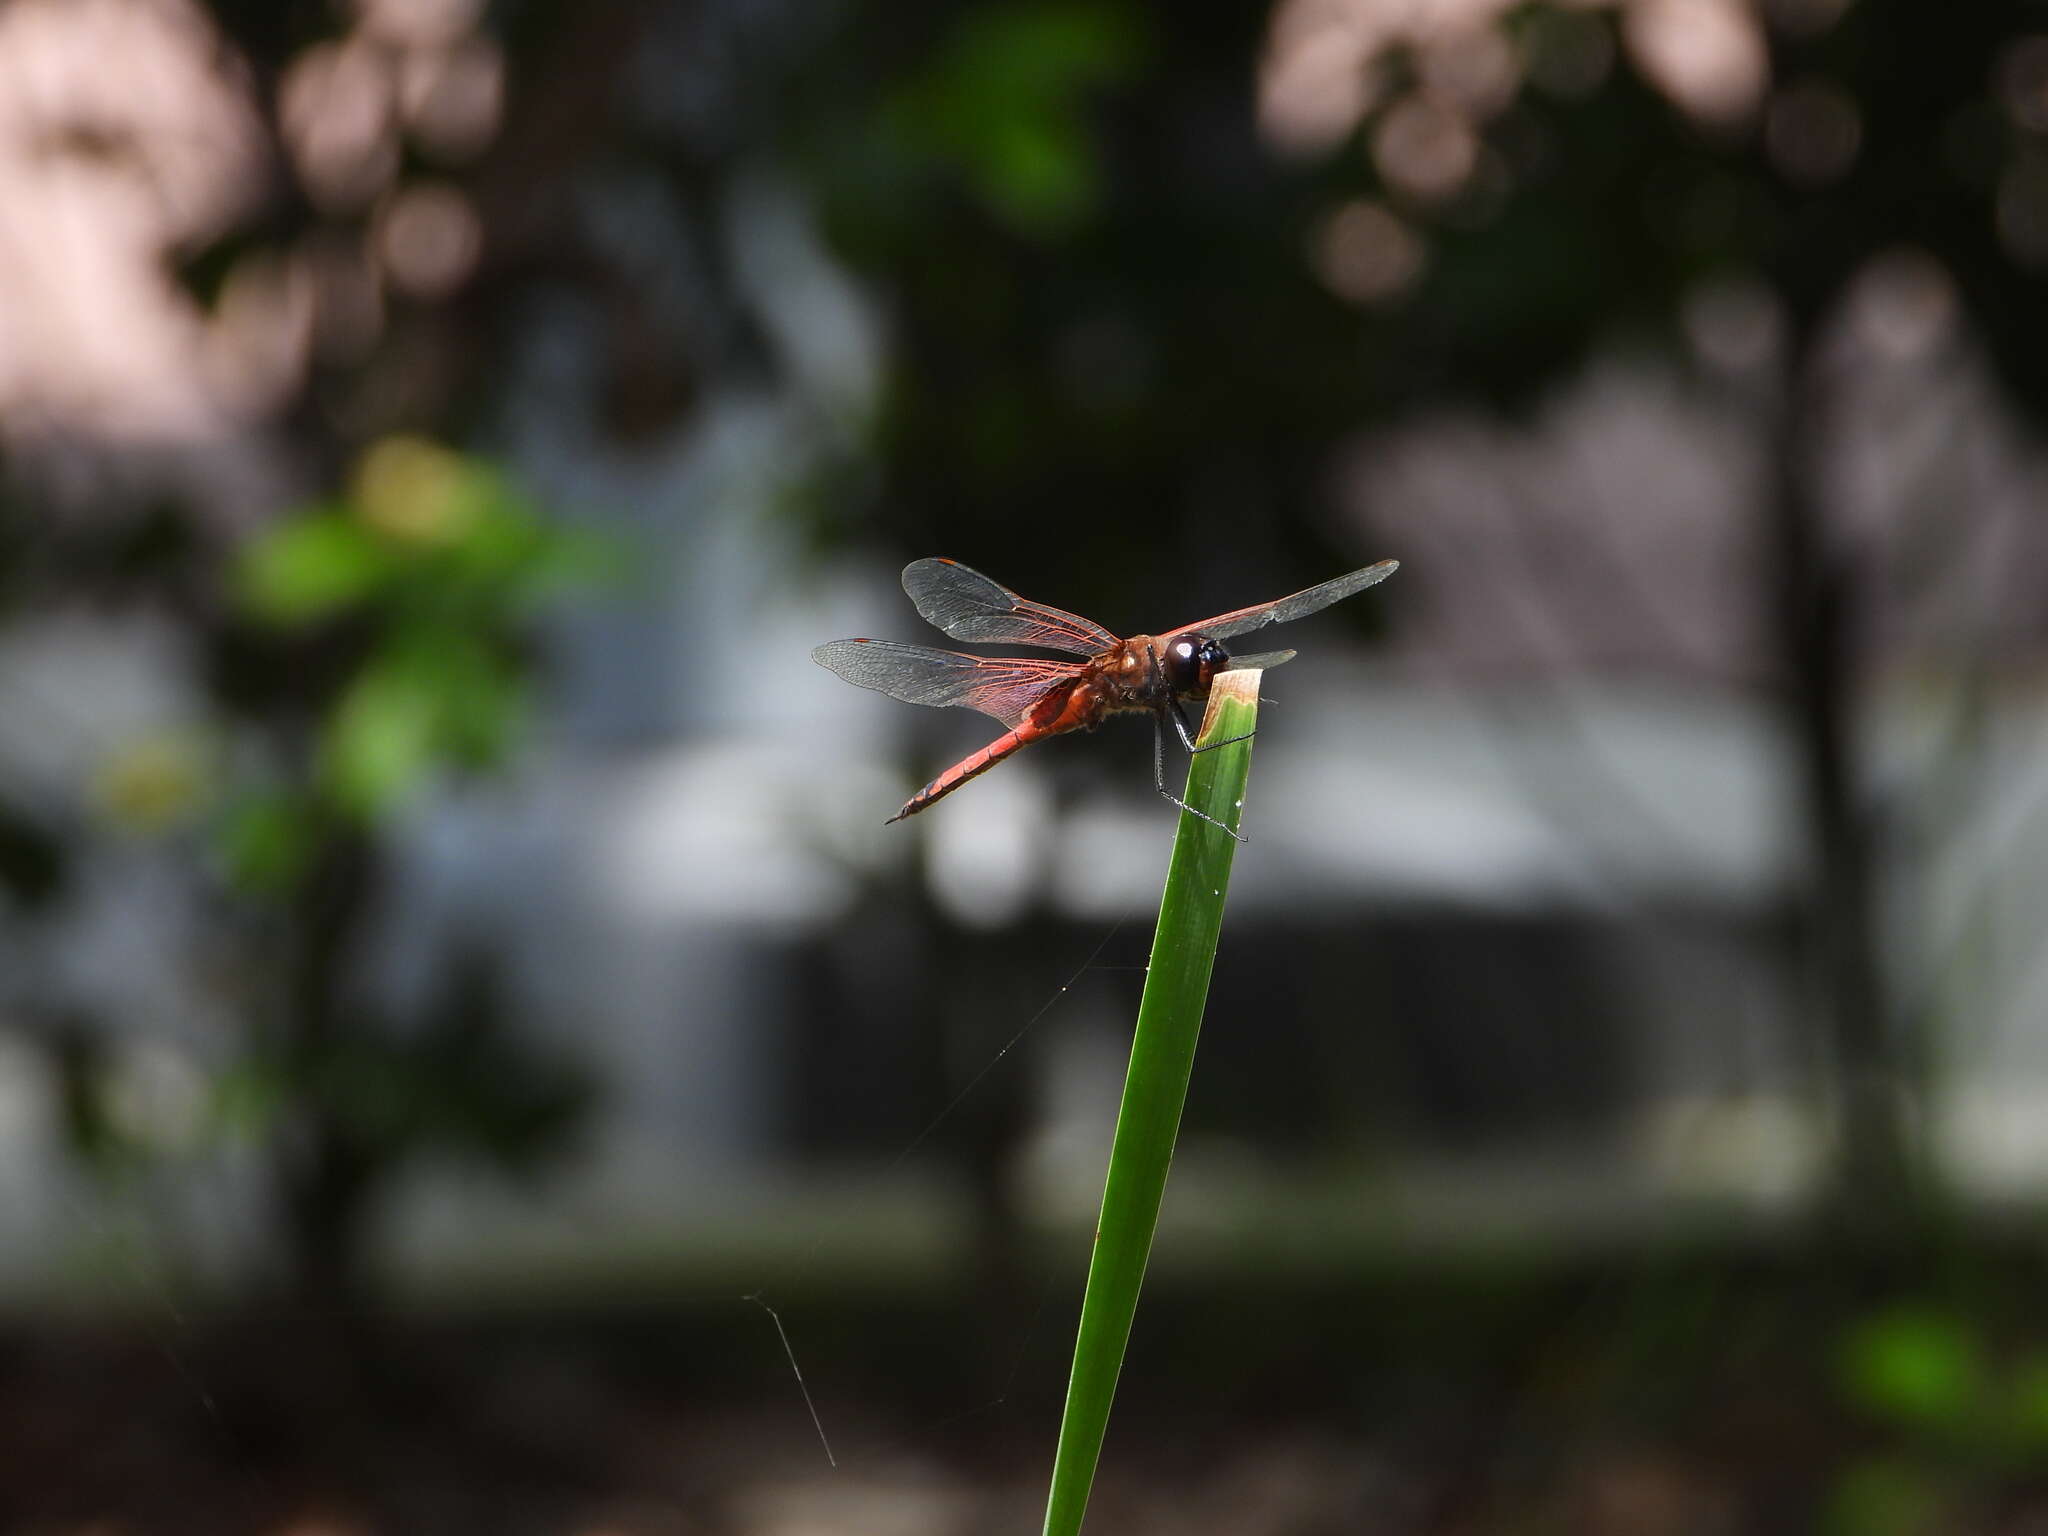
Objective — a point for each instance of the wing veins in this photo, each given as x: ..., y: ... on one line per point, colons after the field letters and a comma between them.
x: 1003, y: 687
x: 980, y: 610
x: 1242, y: 621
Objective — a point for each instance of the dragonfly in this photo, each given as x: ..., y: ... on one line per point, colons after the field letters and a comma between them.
x: 1033, y: 698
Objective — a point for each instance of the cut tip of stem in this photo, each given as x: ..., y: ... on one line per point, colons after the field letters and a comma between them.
x: 1240, y: 684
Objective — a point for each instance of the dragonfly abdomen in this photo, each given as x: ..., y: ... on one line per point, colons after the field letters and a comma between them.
x: 969, y: 767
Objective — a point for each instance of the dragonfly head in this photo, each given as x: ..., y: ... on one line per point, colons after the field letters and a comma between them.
x: 1191, y: 663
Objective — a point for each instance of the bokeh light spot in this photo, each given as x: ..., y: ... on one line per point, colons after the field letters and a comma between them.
x: 1707, y: 56
x: 1315, y: 86
x: 429, y: 239
x: 418, y: 23
x: 336, y: 109
x: 452, y: 99
x: 1368, y: 254
x: 1425, y: 149
x: 1905, y: 304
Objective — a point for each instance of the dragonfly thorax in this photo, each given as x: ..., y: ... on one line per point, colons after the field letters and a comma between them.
x: 1145, y: 671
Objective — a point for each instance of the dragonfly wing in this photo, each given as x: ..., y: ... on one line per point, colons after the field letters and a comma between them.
x: 1285, y: 611
x: 1005, y: 687
x: 1265, y: 661
x: 970, y: 606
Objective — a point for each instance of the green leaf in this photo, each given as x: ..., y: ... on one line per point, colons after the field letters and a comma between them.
x: 437, y: 696
x: 267, y: 840
x: 380, y: 739
x: 479, y: 701
x: 1004, y: 106
x: 310, y: 567
x: 1914, y: 1365
x: 1162, y: 1058
x: 1039, y: 174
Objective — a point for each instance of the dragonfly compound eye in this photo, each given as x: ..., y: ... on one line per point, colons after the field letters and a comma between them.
x: 1188, y: 666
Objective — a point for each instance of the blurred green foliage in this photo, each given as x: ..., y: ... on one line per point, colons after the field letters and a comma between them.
x: 312, y: 567
x: 267, y: 838
x: 1917, y: 1367
x: 435, y: 563
x: 423, y: 578
x: 1956, y: 1418
x: 1003, y: 104
x: 371, y: 646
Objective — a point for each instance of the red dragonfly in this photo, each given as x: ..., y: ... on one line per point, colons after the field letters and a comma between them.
x: 1034, y: 699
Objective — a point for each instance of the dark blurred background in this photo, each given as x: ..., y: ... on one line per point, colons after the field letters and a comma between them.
x: 467, y: 1038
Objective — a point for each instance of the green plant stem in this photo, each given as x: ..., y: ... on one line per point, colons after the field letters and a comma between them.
x: 1162, y: 1056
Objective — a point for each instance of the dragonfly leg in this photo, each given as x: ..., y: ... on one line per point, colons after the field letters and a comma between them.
x: 1187, y: 739
x: 1159, y: 776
